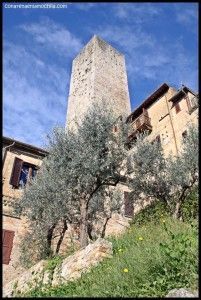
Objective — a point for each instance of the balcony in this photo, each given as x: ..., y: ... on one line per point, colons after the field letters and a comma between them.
x: 192, y: 104
x: 140, y: 124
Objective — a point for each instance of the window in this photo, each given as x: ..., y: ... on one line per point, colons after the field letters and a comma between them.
x: 22, y: 172
x: 128, y: 203
x: 177, y: 108
x: 157, y: 139
x: 184, y: 134
x: 7, y: 238
x: 115, y: 128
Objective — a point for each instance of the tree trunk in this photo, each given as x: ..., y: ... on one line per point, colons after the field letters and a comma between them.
x: 65, y: 227
x: 104, y: 226
x: 177, y: 212
x: 49, y: 239
x: 83, y: 224
x: 89, y: 230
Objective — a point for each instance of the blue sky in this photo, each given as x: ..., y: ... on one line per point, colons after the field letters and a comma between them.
x: 159, y: 41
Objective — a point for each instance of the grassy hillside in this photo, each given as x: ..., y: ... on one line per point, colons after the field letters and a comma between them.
x: 149, y: 260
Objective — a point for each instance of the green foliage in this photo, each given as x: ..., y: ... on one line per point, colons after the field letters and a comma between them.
x: 53, y: 263
x: 33, y: 248
x: 147, y: 262
x: 149, y: 170
x: 158, y: 210
x: 189, y: 209
x: 152, y: 213
x: 167, y: 179
x: 180, y: 264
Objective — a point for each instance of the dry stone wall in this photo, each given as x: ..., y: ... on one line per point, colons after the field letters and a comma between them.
x: 71, y: 268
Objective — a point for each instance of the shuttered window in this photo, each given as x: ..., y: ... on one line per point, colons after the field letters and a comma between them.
x: 8, y: 237
x: 22, y: 173
x: 15, y: 176
x: 128, y: 203
x: 157, y: 139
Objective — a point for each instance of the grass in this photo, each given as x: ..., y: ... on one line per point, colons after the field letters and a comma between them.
x: 137, y: 266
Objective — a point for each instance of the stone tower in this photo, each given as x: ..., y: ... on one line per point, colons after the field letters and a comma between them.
x: 98, y: 73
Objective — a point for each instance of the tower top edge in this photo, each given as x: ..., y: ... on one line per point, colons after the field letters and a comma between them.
x: 96, y: 40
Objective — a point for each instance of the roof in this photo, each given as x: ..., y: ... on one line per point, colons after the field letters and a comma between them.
x: 26, y: 147
x: 182, y: 92
x: 150, y: 100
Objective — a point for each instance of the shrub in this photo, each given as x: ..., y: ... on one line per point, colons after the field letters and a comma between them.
x: 189, y: 209
x: 180, y: 267
x: 53, y: 262
x: 153, y: 212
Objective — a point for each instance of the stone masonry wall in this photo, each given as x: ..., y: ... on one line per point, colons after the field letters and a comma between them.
x: 98, y: 74
x: 10, y: 221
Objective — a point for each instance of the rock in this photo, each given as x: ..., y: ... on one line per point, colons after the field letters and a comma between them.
x: 26, y: 281
x: 47, y: 277
x: 9, y: 289
x: 181, y: 293
x: 81, y: 262
x: 117, y: 225
x: 71, y: 268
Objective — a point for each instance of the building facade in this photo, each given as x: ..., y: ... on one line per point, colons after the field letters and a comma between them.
x: 166, y: 113
x: 20, y: 162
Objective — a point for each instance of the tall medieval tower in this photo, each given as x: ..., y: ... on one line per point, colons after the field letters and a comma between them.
x: 98, y: 74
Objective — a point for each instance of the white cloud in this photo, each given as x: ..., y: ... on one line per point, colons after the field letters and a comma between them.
x: 85, y: 6
x: 127, y: 37
x: 35, y: 87
x: 148, y: 58
x: 53, y: 36
x: 34, y: 97
x: 186, y: 14
x: 137, y: 12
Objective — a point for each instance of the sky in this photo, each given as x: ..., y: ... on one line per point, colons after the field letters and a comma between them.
x: 159, y: 41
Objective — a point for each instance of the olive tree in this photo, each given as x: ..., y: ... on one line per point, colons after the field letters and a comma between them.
x: 148, y: 170
x: 168, y: 179
x: 183, y: 170
x: 75, y: 180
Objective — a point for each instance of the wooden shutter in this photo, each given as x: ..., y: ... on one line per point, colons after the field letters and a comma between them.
x: 15, y: 176
x: 128, y: 205
x: 8, y: 237
x: 177, y: 108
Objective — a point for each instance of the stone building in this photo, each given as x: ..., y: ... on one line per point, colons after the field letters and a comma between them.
x: 20, y: 162
x: 98, y: 75
x: 165, y: 114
